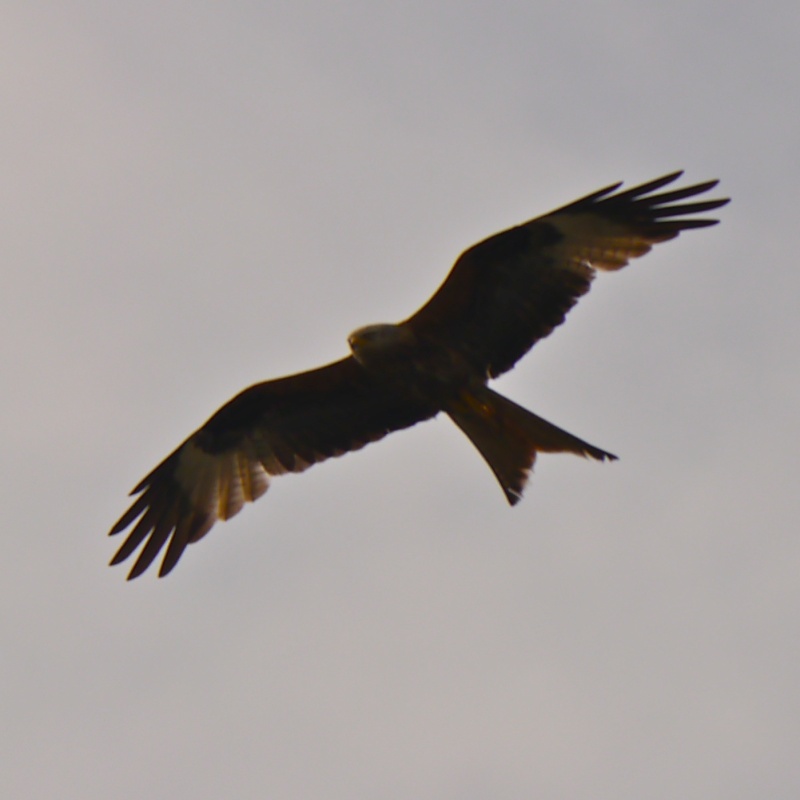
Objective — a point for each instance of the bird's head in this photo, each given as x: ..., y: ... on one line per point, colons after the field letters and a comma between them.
x: 373, y: 345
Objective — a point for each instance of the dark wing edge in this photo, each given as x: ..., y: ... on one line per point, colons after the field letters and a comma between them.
x: 647, y: 213
x: 512, y: 289
x: 280, y: 426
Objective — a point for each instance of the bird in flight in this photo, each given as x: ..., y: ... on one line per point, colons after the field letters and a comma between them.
x: 502, y: 296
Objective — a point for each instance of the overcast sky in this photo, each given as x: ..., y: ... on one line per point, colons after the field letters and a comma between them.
x: 199, y: 196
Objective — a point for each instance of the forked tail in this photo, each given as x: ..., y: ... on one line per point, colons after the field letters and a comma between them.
x: 509, y: 437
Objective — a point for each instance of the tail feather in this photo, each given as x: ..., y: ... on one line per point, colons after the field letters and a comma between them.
x: 509, y: 437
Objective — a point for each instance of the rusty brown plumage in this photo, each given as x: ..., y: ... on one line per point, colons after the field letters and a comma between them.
x: 501, y: 296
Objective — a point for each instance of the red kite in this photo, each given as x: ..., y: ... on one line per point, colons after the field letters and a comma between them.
x: 501, y: 296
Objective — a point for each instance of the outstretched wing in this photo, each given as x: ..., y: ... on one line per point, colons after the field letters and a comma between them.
x: 510, y: 290
x: 285, y: 425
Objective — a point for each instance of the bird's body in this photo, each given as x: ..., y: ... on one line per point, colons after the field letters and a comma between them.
x: 502, y: 295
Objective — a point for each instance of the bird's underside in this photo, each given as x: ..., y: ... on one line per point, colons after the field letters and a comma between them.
x: 501, y: 296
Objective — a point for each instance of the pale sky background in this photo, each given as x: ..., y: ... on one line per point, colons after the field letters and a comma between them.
x: 199, y: 196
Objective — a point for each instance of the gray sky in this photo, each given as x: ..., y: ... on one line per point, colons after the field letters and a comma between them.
x: 198, y: 196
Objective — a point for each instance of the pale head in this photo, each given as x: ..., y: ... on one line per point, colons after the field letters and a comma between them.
x: 375, y: 344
